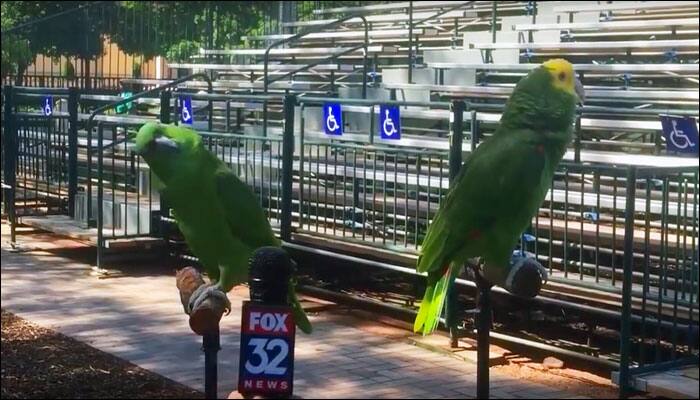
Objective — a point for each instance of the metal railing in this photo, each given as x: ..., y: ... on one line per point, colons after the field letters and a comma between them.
x: 412, y: 24
x: 124, y: 40
x: 39, y: 154
x: 266, y: 57
x: 100, y: 148
x: 126, y: 183
x: 629, y: 232
x: 662, y: 331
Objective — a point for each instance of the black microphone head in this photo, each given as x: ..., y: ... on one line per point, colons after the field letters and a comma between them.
x: 269, y: 271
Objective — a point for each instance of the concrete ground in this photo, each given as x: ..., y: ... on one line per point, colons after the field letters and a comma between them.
x: 137, y: 316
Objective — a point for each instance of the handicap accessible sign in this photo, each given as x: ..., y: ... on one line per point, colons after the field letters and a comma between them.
x: 681, y: 134
x: 47, y: 106
x: 186, y: 116
x: 333, y: 119
x: 389, y: 122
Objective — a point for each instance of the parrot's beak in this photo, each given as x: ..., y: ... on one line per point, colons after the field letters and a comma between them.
x: 160, y: 144
x: 166, y: 144
x: 578, y: 87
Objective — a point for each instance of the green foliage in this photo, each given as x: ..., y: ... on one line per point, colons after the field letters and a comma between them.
x: 68, y: 70
x: 16, y: 54
x: 75, y: 34
x: 175, y: 29
x: 178, y: 30
x: 136, y: 68
x: 182, y: 51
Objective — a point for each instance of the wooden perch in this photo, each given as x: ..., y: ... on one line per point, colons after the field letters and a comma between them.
x: 204, y: 319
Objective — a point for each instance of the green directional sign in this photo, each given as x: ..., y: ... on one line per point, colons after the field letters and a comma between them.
x: 124, y: 108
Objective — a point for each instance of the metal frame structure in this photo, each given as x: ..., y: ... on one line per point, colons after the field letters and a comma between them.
x: 312, y: 185
x: 286, y: 193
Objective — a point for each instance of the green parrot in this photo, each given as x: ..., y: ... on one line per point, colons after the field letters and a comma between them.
x: 499, y: 189
x: 217, y: 213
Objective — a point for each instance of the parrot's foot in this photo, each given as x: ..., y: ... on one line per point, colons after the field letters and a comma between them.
x: 526, y: 277
x: 188, y: 280
x: 206, y: 306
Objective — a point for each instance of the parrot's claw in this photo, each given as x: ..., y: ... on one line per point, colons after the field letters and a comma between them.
x: 206, y: 306
x: 205, y: 292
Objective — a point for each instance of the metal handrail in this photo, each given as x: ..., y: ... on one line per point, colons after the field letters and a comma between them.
x: 411, y: 24
x: 334, y: 56
x: 110, y: 106
x: 157, y: 89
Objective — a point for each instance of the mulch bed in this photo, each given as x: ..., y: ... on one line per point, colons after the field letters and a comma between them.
x: 40, y: 363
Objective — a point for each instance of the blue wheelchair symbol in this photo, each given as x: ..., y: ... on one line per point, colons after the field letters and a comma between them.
x: 389, y: 122
x: 681, y: 134
x: 47, y: 106
x: 332, y: 119
x: 186, y: 116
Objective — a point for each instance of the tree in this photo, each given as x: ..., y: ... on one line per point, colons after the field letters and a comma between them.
x: 145, y: 29
x: 178, y: 30
x: 73, y: 34
x: 16, y: 54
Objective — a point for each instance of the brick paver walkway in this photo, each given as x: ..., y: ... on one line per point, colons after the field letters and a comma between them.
x: 140, y: 319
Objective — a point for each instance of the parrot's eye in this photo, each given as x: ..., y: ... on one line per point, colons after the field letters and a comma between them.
x: 562, y: 76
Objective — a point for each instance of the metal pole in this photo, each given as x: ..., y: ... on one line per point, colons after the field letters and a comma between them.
x: 482, y: 338
x: 658, y: 145
x: 625, y: 323
x: 458, y: 108
x: 210, y: 43
x: 165, y: 107
x: 210, y: 25
x: 73, y: 96
x: 456, y: 141
x: 475, y: 130
x: 577, y: 137
x: 410, y: 42
x: 372, y: 125
x: 228, y: 116
x: 10, y: 160
x: 86, y: 61
x: 364, y: 59
x: 290, y: 102
x: 165, y: 113
x: 100, y: 195
x: 494, y: 9
x: 265, y: 106
x: 211, y: 346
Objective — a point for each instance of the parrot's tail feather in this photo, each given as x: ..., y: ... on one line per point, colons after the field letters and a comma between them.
x: 431, y: 307
x: 300, y: 318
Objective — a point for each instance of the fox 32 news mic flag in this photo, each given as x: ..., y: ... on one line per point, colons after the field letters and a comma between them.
x: 267, y: 327
x: 267, y: 350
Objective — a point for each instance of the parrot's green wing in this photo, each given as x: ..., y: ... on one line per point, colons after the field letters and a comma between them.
x: 242, y: 210
x: 248, y: 222
x: 439, y: 243
x: 446, y: 236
